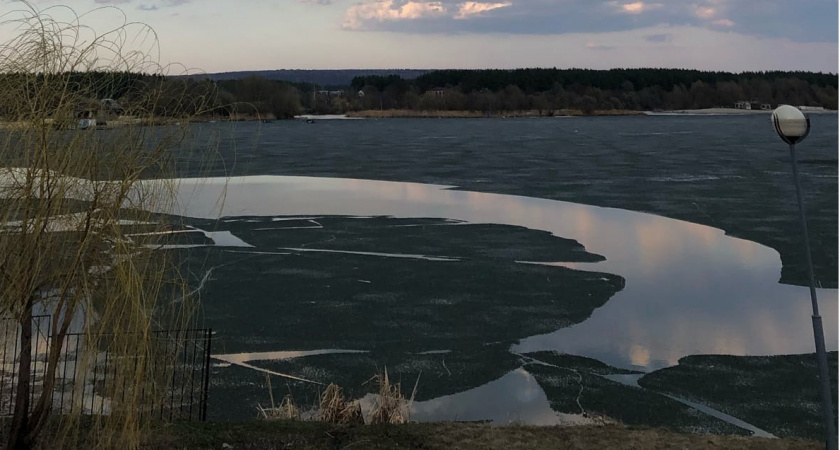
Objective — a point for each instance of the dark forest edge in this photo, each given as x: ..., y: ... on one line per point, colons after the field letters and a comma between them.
x: 471, y: 93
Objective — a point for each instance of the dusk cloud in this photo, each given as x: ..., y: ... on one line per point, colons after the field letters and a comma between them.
x: 798, y: 20
x: 703, y: 34
x: 371, y: 14
x: 470, y: 9
x: 319, y: 2
x: 148, y: 6
x: 634, y: 7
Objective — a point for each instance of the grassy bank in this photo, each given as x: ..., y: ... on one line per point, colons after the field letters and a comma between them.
x: 315, y: 435
x: 415, y: 114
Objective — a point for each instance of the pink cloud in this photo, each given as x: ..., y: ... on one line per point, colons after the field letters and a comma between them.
x: 704, y: 13
x: 634, y: 7
x: 468, y: 9
x: 386, y: 10
x: 361, y: 14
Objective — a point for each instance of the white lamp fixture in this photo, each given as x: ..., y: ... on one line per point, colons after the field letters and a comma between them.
x: 791, y: 124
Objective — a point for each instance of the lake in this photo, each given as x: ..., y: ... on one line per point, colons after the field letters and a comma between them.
x: 411, y: 277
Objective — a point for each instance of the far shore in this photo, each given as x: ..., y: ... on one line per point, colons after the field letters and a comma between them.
x: 729, y: 111
x: 415, y: 114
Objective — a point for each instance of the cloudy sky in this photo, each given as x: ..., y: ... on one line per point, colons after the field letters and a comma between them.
x: 735, y: 35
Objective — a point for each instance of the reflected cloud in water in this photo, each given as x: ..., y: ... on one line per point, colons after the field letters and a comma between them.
x: 514, y: 398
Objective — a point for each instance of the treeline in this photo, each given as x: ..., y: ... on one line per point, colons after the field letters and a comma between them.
x: 131, y: 93
x: 590, y: 90
x: 486, y: 91
x: 327, y: 79
x: 541, y: 80
x: 256, y: 95
x: 543, y: 90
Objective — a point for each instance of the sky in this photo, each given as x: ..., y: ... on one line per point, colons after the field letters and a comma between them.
x: 230, y: 35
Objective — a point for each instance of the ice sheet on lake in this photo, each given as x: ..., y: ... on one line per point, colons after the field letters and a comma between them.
x: 226, y: 239
x: 384, y: 255
x: 243, y: 360
x: 690, y: 289
x: 237, y: 358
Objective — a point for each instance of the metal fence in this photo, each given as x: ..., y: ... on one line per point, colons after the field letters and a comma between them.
x: 88, y: 382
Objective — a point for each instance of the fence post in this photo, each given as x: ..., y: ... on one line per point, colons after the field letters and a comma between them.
x: 206, y: 374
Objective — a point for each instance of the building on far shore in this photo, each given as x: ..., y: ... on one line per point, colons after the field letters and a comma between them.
x: 755, y: 104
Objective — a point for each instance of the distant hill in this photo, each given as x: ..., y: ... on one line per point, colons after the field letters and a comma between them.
x: 341, y: 77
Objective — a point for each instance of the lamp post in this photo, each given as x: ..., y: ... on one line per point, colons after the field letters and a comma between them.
x: 792, y: 127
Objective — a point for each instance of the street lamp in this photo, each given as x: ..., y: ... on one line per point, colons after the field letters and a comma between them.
x: 792, y: 127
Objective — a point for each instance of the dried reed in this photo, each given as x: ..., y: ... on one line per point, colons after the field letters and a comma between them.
x: 334, y: 408
x: 287, y: 410
x: 389, y: 405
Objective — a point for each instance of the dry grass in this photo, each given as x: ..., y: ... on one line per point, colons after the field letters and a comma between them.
x: 389, y: 404
x: 288, y: 409
x: 334, y: 408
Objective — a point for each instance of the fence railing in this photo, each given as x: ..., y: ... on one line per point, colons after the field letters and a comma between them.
x: 88, y: 381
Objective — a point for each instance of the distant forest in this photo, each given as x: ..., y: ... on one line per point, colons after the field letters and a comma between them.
x: 327, y: 79
x: 590, y: 90
x: 550, y: 90
x: 546, y: 91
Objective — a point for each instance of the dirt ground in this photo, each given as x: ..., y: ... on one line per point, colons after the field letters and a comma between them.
x: 450, y: 436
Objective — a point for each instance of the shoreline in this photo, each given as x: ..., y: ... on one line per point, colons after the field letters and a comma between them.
x: 726, y: 112
x: 464, y: 114
x: 414, y: 114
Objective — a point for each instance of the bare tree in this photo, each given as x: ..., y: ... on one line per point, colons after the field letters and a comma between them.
x: 69, y: 197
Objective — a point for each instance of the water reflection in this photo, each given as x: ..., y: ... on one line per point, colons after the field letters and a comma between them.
x: 514, y: 398
x: 690, y: 289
